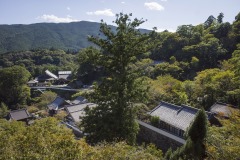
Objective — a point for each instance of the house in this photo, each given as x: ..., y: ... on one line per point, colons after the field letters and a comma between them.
x: 44, y: 79
x: 57, y: 104
x: 19, y: 115
x: 79, y: 100
x: 76, y: 111
x: 64, y: 77
x: 32, y: 83
x: 222, y: 109
x: 174, y: 119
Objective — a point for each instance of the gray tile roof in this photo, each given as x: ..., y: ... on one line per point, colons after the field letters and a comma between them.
x: 221, y: 108
x: 75, y: 111
x: 57, y: 103
x: 177, y: 116
x: 79, y: 100
x: 19, y: 114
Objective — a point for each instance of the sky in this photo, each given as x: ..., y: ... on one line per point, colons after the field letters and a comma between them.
x: 163, y: 14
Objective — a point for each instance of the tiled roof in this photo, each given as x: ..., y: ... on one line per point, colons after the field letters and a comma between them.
x: 177, y: 116
x: 221, y: 108
x: 58, y: 102
x: 19, y: 114
x: 79, y: 100
x: 75, y: 111
x: 44, y: 77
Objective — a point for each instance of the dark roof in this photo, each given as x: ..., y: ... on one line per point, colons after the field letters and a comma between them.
x: 75, y: 111
x: 57, y: 103
x: 44, y: 77
x: 222, y: 108
x: 177, y: 116
x: 47, y: 76
x: 20, y: 114
x: 79, y: 100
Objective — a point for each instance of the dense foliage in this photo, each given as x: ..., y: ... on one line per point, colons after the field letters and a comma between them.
x: 195, y: 145
x: 66, y: 36
x: 223, y: 142
x: 114, y: 117
x: 37, y: 61
x: 48, y: 139
x: 13, y: 86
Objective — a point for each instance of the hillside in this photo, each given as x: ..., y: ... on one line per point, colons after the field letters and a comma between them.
x: 72, y: 36
x: 65, y: 36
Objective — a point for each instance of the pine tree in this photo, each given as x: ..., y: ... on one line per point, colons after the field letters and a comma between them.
x: 114, y: 117
x: 194, y: 148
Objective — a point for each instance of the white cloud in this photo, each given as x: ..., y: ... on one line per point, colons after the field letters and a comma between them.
x: 153, y: 6
x: 123, y: 2
x: 68, y: 8
x: 55, y: 19
x: 164, y: 0
x: 106, y: 12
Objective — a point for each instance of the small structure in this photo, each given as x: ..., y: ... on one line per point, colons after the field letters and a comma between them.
x: 77, y: 111
x: 79, y: 100
x: 47, y: 77
x: 64, y: 75
x: 32, y: 83
x: 57, y: 104
x: 19, y: 115
x: 174, y: 119
x: 222, y: 109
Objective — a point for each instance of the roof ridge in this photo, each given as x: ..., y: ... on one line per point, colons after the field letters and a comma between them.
x: 190, y: 107
x: 18, y: 110
x: 170, y: 104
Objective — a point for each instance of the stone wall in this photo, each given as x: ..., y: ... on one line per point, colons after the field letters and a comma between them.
x: 162, y: 139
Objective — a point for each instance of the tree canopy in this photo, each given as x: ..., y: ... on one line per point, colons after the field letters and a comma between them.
x: 114, y: 117
x: 13, y: 83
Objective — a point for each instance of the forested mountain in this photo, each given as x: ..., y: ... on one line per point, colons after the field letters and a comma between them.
x: 65, y: 36
x: 72, y: 36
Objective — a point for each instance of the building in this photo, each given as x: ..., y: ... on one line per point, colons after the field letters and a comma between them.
x: 57, y: 104
x: 222, y: 109
x: 174, y: 119
x: 79, y: 100
x: 64, y: 77
x: 75, y: 112
x: 19, y: 115
x: 32, y: 83
x: 47, y: 77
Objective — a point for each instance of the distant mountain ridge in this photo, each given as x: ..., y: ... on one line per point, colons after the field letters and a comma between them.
x: 66, y: 36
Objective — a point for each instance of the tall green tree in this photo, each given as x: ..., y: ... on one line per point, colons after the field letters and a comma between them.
x: 114, y: 117
x: 220, y: 17
x: 13, y: 86
x: 195, y: 146
x: 88, y: 71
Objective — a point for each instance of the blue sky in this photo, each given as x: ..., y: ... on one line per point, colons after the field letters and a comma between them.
x: 163, y: 14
